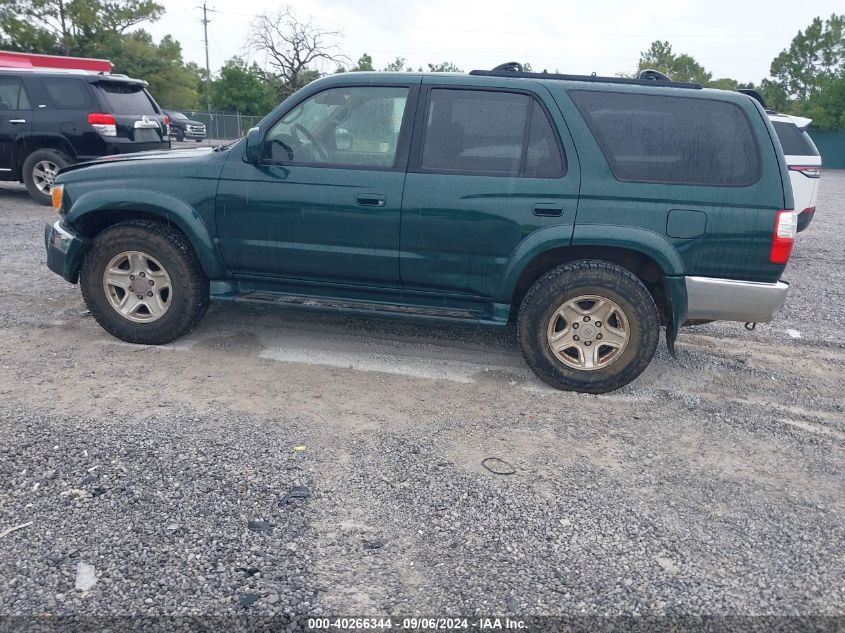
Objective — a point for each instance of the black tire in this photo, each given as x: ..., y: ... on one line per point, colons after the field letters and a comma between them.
x: 179, y: 134
x: 573, y: 280
x: 198, y: 140
x: 57, y: 157
x: 190, y: 286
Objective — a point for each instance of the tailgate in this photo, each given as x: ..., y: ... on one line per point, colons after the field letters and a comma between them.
x: 136, y: 115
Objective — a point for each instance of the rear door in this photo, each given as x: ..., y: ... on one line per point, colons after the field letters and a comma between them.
x: 15, y: 119
x: 136, y: 115
x: 489, y: 167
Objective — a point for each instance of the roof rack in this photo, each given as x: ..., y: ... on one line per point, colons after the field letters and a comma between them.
x: 514, y: 69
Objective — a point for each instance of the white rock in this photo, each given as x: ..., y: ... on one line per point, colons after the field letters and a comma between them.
x: 86, y: 577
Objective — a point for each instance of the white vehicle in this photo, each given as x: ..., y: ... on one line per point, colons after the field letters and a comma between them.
x: 803, y: 160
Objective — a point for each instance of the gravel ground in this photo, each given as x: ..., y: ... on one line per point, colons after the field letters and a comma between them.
x: 151, y: 479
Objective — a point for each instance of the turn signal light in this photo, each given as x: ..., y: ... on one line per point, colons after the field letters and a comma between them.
x: 57, y: 192
x: 786, y: 226
x: 104, y: 124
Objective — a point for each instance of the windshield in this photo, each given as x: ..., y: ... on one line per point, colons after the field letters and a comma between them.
x: 177, y: 115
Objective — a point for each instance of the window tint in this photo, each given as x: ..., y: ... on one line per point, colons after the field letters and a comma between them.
x: 475, y: 130
x: 124, y: 98
x: 351, y: 126
x: 794, y: 141
x: 66, y: 93
x: 543, y: 159
x: 12, y: 94
x: 679, y: 140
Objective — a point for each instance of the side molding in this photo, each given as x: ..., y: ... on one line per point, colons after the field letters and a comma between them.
x: 167, y: 207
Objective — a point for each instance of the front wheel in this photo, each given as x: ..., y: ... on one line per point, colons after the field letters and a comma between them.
x: 588, y: 326
x: 143, y: 283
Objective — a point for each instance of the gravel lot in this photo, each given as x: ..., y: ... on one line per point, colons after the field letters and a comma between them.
x: 713, y: 485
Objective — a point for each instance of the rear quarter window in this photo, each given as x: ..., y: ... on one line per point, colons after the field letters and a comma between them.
x: 793, y: 141
x: 67, y: 93
x: 126, y: 98
x: 674, y: 140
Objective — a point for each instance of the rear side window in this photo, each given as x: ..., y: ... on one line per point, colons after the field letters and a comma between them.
x: 488, y: 132
x: 12, y: 94
x: 66, y: 92
x: 793, y: 141
x: 126, y: 98
x: 675, y: 140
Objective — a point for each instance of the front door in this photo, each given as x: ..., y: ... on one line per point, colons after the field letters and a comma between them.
x: 489, y: 168
x: 323, y: 204
x: 15, y: 120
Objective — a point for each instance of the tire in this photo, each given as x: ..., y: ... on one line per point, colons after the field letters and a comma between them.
x: 183, y: 288
x: 39, y: 169
x: 198, y: 140
x: 619, y: 349
x: 179, y: 134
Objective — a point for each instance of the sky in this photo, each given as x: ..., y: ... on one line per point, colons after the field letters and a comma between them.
x: 730, y: 38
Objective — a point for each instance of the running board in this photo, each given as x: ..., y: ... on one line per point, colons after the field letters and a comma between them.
x: 362, y: 308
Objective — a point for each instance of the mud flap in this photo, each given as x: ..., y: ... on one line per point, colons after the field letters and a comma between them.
x: 676, y: 309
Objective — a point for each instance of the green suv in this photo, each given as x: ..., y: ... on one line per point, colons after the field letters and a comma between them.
x: 588, y: 210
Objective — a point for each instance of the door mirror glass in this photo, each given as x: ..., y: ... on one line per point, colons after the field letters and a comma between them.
x: 253, y: 145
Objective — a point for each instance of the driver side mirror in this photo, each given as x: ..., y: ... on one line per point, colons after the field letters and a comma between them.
x: 253, y: 145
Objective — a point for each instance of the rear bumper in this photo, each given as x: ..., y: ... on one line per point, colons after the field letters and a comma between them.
x: 805, y: 217
x: 714, y: 299
x: 64, y: 251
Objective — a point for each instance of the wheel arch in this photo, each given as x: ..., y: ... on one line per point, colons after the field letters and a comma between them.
x: 26, y: 145
x: 96, y: 210
x: 646, y: 254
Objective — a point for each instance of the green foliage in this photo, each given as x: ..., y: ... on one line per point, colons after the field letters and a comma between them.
x: 827, y: 105
x: 444, y: 67
x: 815, y: 57
x: 659, y: 56
x: 397, y: 65
x: 242, y: 88
x: 70, y: 27
x: 365, y: 62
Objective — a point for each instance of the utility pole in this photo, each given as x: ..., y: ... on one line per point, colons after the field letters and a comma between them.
x: 205, y: 22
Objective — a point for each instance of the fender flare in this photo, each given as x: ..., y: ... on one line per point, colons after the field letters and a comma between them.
x: 649, y: 243
x: 161, y: 205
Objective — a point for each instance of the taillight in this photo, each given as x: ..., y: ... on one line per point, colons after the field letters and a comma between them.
x: 810, y: 171
x: 166, y: 120
x: 786, y: 226
x: 104, y: 124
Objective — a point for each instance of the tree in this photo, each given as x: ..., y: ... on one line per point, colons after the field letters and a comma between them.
x: 365, y: 63
x: 815, y: 57
x: 295, y: 50
x: 444, y: 67
x: 826, y: 106
x: 70, y: 27
x: 397, y: 65
x: 660, y: 56
x: 242, y: 88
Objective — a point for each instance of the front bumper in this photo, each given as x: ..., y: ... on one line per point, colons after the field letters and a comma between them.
x: 64, y: 251
x: 712, y: 299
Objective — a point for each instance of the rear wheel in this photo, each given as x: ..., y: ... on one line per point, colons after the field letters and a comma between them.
x: 143, y: 283
x: 40, y: 170
x: 588, y: 326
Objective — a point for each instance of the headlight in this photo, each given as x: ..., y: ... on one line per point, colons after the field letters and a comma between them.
x: 57, y: 192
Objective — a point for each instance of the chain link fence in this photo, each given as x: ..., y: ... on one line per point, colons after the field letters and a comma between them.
x: 223, y: 126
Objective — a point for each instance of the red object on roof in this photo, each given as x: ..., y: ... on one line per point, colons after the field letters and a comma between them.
x: 29, y: 60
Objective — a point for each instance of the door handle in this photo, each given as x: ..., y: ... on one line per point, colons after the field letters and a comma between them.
x: 370, y: 200
x: 552, y: 209
x: 17, y: 121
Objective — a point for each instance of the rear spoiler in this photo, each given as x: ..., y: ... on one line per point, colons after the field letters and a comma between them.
x: 754, y: 95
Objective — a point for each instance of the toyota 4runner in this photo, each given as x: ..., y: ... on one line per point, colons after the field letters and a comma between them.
x: 589, y: 210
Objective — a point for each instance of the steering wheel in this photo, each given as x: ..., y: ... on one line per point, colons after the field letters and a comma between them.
x: 288, y: 149
x: 319, y: 148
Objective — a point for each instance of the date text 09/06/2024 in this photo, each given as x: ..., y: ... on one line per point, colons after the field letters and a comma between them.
x: 416, y: 623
